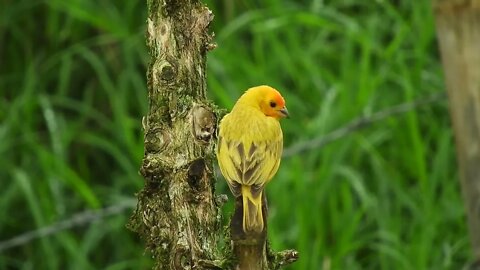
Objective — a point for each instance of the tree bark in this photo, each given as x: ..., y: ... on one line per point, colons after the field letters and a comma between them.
x: 251, y: 251
x: 458, y: 29
x: 177, y: 214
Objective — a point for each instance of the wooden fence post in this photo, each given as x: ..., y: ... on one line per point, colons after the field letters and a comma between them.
x: 458, y: 29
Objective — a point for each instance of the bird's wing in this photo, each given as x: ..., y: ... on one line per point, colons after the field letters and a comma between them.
x: 227, y: 166
x: 250, y: 162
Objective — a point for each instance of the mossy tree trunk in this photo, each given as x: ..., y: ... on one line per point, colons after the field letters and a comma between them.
x: 458, y: 28
x: 177, y: 212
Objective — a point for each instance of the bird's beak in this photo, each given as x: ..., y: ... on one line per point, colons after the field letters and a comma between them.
x: 284, y: 112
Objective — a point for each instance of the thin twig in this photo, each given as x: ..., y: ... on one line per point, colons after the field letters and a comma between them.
x: 359, y: 123
x: 315, y: 143
x: 78, y: 219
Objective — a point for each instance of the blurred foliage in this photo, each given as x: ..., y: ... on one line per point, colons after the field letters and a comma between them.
x: 72, y: 82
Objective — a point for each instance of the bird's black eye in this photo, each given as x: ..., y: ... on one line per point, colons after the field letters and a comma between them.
x: 273, y: 104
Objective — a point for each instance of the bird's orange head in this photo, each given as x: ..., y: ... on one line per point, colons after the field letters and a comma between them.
x: 267, y: 99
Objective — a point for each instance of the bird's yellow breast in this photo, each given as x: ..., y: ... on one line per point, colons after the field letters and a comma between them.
x: 249, y: 148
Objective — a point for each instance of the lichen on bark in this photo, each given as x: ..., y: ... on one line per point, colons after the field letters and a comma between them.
x: 177, y: 214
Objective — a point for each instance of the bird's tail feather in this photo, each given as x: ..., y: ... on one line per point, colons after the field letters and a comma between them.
x: 252, y: 210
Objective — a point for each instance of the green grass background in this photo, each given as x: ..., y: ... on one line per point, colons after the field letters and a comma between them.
x: 72, y: 82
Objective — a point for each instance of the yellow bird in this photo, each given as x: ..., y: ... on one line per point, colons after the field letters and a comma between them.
x: 249, y: 148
